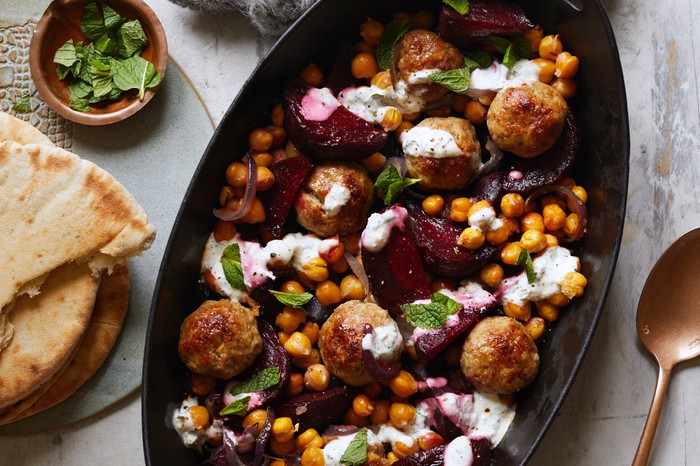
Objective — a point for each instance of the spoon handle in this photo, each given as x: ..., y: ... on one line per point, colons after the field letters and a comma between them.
x: 644, y: 448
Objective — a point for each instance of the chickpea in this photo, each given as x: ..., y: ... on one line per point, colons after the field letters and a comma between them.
x: 364, y: 65
x: 550, y: 47
x: 547, y: 69
x: 564, y: 86
x: 475, y: 112
x: 260, y: 139
x: 312, y: 75
x: 566, y: 65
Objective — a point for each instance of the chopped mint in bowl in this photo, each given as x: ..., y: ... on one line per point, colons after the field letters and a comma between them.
x: 97, y: 63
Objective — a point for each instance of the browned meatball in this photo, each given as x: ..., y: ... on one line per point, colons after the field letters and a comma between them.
x: 426, y: 158
x: 528, y: 119
x: 499, y: 356
x: 419, y: 51
x: 340, y: 340
x: 220, y: 339
x: 335, y: 199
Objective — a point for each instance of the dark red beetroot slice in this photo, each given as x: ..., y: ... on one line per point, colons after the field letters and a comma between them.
x: 543, y: 170
x: 273, y: 355
x: 396, y: 274
x: 485, y: 18
x: 289, y: 176
x: 342, y: 136
x: 433, y: 342
x: 432, y: 457
x: 316, y: 410
x: 436, y: 238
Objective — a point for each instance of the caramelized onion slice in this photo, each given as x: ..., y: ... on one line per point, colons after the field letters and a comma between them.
x: 250, y: 190
x: 580, y: 207
x: 360, y: 273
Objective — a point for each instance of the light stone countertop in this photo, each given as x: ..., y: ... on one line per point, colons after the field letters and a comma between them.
x: 604, y: 413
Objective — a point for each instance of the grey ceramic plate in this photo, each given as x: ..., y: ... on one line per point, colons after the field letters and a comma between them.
x: 153, y: 153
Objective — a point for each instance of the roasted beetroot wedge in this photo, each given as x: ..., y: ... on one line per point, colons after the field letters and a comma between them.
x: 436, y: 239
x: 289, y: 176
x: 430, y: 343
x: 318, y: 130
x: 396, y: 274
x: 432, y: 457
x: 526, y: 175
x: 485, y: 18
x: 316, y: 410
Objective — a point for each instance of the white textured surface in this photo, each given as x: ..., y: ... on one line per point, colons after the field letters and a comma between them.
x: 603, y: 415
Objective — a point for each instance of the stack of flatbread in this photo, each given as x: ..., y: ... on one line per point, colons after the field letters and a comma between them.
x: 66, y: 230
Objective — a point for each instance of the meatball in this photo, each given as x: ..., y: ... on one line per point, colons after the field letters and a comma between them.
x: 340, y: 340
x: 499, y: 356
x: 443, y: 153
x: 335, y: 199
x: 418, y: 54
x: 528, y: 119
x: 220, y: 339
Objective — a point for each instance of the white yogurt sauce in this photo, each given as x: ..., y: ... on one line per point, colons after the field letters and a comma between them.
x: 490, y: 417
x: 379, y: 225
x: 384, y: 342
x: 485, y: 220
x: 421, y: 76
x: 182, y: 422
x: 423, y: 141
x: 457, y: 407
x: 334, y: 449
x: 336, y: 198
x: 459, y: 452
x: 295, y: 248
x: 367, y: 102
x: 551, y: 266
x: 497, y: 76
x: 410, y: 433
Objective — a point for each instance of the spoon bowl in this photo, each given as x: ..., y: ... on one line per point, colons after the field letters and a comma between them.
x: 668, y: 323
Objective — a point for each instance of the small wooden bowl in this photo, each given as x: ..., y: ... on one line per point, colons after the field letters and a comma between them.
x: 60, y: 22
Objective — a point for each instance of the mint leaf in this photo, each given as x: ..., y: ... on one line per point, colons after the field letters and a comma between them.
x: 106, y: 45
x: 512, y: 51
x: 500, y: 43
x: 135, y: 73
x: 356, y: 452
x: 112, y: 19
x: 23, y: 104
x: 79, y: 89
x: 393, y: 32
x: 461, y: 6
x: 455, y: 80
x: 450, y: 304
x: 260, y: 381
x: 66, y: 54
x: 233, y: 270
x: 92, y: 24
x: 481, y: 58
x: 292, y: 299
x: 236, y: 408
x: 525, y: 261
x: 433, y: 315
x: 130, y: 38
x: 392, y: 184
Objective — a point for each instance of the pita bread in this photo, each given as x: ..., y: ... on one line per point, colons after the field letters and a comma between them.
x: 48, y: 328
x: 14, y: 129
x: 105, y: 326
x: 56, y: 208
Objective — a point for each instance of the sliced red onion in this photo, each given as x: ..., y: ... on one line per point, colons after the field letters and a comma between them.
x: 247, y: 201
x: 399, y: 164
x: 360, y: 273
x: 580, y: 207
x: 230, y: 444
x: 263, y: 438
x: 380, y: 370
x: 339, y: 431
x: 494, y: 160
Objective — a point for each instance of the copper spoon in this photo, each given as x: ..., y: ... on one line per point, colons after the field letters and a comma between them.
x: 668, y: 322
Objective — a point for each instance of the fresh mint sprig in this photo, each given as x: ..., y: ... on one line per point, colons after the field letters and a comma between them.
x: 461, y: 6
x: 233, y: 270
x: 432, y: 315
x: 393, y: 32
x: 392, y: 184
x: 512, y: 51
x: 525, y: 261
x: 292, y: 299
x: 356, y: 452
